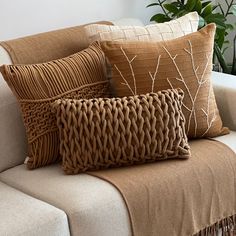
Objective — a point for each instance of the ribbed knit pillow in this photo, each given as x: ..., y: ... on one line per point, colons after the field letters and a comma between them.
x: 102, y: 133
x: 186, y: 63
x: 154, y: 32
x: 82, y: 75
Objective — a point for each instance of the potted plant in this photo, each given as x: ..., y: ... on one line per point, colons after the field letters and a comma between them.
x: 208, y: 13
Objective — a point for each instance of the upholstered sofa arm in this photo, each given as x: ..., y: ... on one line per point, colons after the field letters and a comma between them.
x: 225, y: 92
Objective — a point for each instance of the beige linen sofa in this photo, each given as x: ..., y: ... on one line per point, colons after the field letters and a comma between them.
x: 47, y: 202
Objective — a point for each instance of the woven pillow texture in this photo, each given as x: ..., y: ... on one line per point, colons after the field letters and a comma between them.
x: 154, y: 32
x: 186, y: 63
x: 112, y: 132
x: 82, y: 75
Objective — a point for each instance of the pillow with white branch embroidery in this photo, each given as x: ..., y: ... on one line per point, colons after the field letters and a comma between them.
x: 186, y: 63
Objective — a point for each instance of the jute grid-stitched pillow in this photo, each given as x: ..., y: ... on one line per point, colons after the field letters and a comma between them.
x: 186, y: 63
x: 112, y: 132
x: 82, y: 75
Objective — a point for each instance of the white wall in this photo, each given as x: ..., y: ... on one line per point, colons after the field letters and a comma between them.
x: 24, y: 17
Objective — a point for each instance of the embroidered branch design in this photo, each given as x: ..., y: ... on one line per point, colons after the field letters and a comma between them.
x: 210, y: 121
x: 200, y: 80
x: 193, y: 96
x: 125, y: 81
x: 154, y: 76
x: 131, y: 68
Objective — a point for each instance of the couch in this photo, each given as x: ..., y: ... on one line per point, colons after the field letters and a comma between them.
x: 47, y: 202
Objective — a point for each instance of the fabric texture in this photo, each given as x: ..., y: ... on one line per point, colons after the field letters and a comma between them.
x: 28, y: 50
x: 94, y: 207
x: 87, y: 200
x: 48, y: 46
x: 13, y: 140
x: 197, y: 194
x: 186, y: 63
x: 229, y: 140
x: 112, y: 132
x: 225, y: 92
x: 23, y: 215
x: 81, y: 75
x: 154, y: 32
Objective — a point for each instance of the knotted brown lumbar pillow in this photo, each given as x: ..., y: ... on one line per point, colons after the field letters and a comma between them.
x: 112, y: 132
x: 82, y: 75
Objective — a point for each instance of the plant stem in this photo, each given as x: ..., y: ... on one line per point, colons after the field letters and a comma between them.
x: 221, y: 59
x: 221, y: 9
x: 229, y: 7
x: 233, y: 72
x: 163, y: 9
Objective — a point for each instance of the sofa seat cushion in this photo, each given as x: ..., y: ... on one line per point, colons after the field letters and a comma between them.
x: 93, y: 206
x: 24, y: 215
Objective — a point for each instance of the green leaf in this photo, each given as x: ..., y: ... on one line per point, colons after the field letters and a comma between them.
x: 190, y: 4
x: 230, y: 27
x: 181, y: 13
x: 198, y: 7
x: 204, y: 4
x: 160, y: 18
x: 216, y: 18
x: 153, y: 4
x: 220, y: 37
x: 207, y: 10
x: 171, y: 8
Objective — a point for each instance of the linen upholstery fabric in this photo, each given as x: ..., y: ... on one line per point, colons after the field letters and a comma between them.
x: 225, y: 92
x: 186, y: 63
x: 23, y: 215
x: 48, y: 46
x: 86, y: 200
x: 228, y: 140
x: 154, y: 32
x: 81, y: 75
x: 194, y: 195
x: 12, y: 135
x: 93, y: 206
x: 111, y: 132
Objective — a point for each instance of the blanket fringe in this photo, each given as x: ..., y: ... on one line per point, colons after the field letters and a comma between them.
x: 225, y: 227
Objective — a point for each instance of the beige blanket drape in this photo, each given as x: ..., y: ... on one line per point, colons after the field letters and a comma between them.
x: 180, y: 197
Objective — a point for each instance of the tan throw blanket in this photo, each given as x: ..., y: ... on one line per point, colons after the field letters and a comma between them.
x: 180, y: 197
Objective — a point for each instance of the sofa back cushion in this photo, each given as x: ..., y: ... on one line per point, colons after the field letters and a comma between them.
x: 28, y: 50
x: 12, y: 132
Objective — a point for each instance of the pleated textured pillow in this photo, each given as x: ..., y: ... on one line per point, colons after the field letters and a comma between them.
x: 112, y: 132
x: 154, y: 32
x: 82, y: 75
x: 186, y: 63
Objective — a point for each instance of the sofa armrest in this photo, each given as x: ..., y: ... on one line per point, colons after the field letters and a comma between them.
x: 225, y: 92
